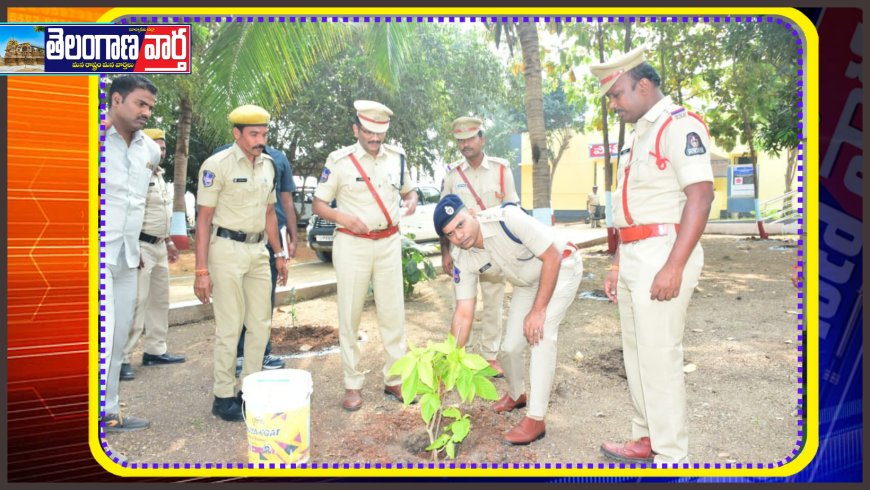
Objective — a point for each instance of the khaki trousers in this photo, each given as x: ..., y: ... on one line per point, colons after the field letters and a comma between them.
x: 542, y: 365
x: 357, y: 262
x: 488, y: 338
x: 652, y: 344
x: 152, y: 304
x: 241, y: 295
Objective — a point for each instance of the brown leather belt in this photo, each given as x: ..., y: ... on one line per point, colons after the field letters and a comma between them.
x: 640, y: 232
x: 240, y: 236
x: 144, y: 237
x: 372, y: 235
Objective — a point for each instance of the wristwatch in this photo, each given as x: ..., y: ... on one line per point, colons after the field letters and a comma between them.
x: 280, y: 255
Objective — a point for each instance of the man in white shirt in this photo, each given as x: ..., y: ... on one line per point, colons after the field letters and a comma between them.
x: 130, y: 160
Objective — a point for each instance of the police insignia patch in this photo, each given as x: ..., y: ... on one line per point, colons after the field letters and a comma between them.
x: 207, y: 178
x: 324, y: 176
x: 448, y: 210
x: 456, y: 274
x: 694, y: 145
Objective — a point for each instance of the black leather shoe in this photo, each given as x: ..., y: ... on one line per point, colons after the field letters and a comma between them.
x: 165, y: 358
x: 228, y: 409
x: 127, y: 372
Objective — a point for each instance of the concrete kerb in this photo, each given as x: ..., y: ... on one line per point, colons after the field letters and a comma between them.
x: 194, y: 311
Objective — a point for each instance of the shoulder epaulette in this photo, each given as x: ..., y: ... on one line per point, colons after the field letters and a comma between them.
x: 341, y: 152
x: 453, y: 166
x: 397, y: 149
x: 678, y: 112
x: 500, y: 161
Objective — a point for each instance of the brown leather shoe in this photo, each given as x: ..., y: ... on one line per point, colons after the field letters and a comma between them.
x: 352, y: 400
x: 495, y: 365
x: 639, y: 451
x: 506, y: 404
x: 528, y: 430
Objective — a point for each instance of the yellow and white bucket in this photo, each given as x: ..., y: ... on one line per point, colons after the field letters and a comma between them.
x: 278, y: 415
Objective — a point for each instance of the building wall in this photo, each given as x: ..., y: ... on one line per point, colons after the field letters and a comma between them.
x: 577, y: 172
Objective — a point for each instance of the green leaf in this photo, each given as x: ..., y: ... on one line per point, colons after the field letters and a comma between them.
x: 439, y: 443
x: 460, y: 429
x: 464, y: 386
x: 409, y: 387
x: 403, y: 366
x: 424, y: 370
x: 484, y: 388
x: 450, y: 449
x: 474, y: 362
x: 452, y: 412
x: 443, y: 347
x: 429, y: 404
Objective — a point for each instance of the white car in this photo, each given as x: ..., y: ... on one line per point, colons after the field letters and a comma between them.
x: 420, y: 223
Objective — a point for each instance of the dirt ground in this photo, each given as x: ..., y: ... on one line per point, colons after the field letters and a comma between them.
x: 740, y: 351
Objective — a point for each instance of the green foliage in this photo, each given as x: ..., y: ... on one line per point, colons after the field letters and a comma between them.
x: 415, y: 267
x: 433, y: 373
x: 291, y: 302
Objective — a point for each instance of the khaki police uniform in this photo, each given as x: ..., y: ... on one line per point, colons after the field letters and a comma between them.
x: 518, y: 263
x: 650, y: 192
x: 486, y: 182
x: 359, y: 260
x: 152, y: 305
x: 240, y: 193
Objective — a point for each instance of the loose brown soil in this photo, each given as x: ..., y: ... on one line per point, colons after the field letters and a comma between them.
x: 741, y: 338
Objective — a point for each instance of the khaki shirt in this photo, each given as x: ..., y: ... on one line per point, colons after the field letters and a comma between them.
x: 341, y: 181
x: 500, y: 255
x: 486, y: 181
x: 239, y: 191
x: 158, y: 206
x: 655, y: 195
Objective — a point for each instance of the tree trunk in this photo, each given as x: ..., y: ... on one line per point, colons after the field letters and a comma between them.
x: 527, y: 32
x: 789, y: 179
x: 178, y: 226
x: 759, y: 220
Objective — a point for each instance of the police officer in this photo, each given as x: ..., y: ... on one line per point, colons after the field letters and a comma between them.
x: 284, y: 187
x: 592, y: 203
x: 482, y: 182
x: 236, y: 199
x: 663, y: 197
x: 366, y: 180
x: 545, y: 272
x: 158, y: 251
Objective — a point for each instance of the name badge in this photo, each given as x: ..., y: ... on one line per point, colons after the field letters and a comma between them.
x: 243, y: 179
x: 151, y: 184
x: 485, y: 268
x: 360, y: 179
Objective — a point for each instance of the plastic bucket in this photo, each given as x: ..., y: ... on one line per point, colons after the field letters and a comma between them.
x: 278, y: 415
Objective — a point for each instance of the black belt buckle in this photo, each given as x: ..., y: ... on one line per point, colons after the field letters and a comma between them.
x: 240, y: 236
x: 144, y: 237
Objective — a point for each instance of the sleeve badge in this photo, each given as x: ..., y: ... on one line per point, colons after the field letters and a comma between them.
x: 324, y: 176
x: 207, y: 178
x: 694, y: 146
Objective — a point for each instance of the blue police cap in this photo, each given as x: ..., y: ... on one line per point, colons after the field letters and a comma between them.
x: 445, y: 211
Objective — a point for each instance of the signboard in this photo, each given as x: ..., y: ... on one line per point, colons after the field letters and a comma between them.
x: 742, y: 181
x: 596, y: 150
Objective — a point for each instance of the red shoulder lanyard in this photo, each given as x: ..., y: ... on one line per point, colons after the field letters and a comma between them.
x: 371, y: 189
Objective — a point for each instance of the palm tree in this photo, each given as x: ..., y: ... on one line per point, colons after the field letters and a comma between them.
x: 527, y: 35
x: 263, y: 64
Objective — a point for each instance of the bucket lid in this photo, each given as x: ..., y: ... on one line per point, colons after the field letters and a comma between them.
x: 276, y: 389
